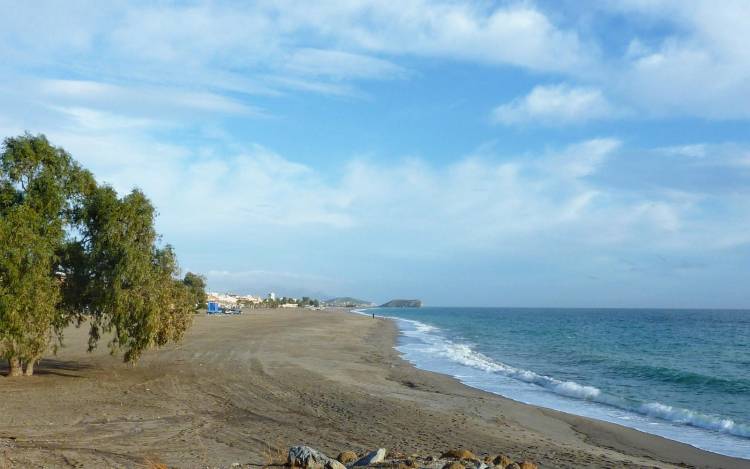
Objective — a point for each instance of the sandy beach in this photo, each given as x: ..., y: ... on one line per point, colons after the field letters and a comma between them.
x: 240, y: 385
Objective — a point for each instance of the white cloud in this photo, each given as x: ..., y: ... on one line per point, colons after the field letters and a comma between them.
x: 85, y: 119
x: 140, y: 94
x: 555, y: 105
x: 505, y: 199
x: 517, y: 34
x: 509, y: 201
x: 340, y: 65
x: 143, y: 99
x: 582, y: 159
x: 696, y: 65
x: 260, y: 47
x: 700, y: 67
x: 698, y: 150
x: 728, y: 156
x: 264, y: 205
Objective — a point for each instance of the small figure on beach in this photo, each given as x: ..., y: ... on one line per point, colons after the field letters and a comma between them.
x: 373, y: 315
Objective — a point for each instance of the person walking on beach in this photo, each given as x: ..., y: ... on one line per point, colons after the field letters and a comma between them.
x: 373, y: 315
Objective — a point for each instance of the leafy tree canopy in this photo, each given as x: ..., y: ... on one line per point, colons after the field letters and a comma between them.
x: 73, y: 251
x: 197, y: 286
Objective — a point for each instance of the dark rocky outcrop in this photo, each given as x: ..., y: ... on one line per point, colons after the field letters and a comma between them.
x: 402, y: 304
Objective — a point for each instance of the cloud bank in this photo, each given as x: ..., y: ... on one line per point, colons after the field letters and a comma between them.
x: 196, y: 103
x: 555, y: 105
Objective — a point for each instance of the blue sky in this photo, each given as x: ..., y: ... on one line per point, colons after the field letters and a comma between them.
x: 523, y: 153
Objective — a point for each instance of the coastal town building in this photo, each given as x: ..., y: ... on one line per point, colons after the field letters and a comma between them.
x: 231, y: 300
x: 221, y: 298
x: 250, y: 299
x: 228, y: 299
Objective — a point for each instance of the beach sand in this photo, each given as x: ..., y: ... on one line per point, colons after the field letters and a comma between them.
x: 239, y: 385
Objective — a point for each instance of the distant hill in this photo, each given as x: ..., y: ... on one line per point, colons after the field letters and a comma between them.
x: 402, y: 304
x: 347, y: 302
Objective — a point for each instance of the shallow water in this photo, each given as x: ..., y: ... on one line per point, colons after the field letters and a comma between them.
x: 681, y: 374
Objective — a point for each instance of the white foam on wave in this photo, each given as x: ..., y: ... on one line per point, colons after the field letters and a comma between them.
x: 430, y: 342
x: 696, y: 419
x: 360, y: 311
x: 419, y: 327
x: 465, y: 355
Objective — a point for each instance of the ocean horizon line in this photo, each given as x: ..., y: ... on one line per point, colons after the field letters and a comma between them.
x: 583, y: 308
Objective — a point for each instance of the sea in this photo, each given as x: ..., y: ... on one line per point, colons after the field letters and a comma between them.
x: 680, y: 374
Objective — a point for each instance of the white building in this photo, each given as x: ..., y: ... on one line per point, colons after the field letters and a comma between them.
x: 272, y: 296
x: 250, y: 299
x: 221, y: 298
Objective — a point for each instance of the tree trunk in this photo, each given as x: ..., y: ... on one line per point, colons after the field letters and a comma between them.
x: 15, y: 367
x: 29, y: 371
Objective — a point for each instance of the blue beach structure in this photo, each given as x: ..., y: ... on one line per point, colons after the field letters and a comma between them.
x: 213, y: 307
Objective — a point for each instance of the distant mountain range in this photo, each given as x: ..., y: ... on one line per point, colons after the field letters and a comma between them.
x: 347, y: 302
x: 402, y: 304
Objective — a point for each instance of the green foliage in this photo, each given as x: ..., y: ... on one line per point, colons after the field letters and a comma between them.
x: 29, y: 294
x: 37, y: 187
x: 196, y: 284
x: 130, y: 288
x: 175, y: 313
x: 73, y: 251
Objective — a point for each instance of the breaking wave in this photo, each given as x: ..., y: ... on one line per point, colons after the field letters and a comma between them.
x: 437, y: 345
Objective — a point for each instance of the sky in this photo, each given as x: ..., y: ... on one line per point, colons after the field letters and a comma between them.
x: 477, y: 153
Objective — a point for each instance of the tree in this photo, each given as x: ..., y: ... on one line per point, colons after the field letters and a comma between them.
x: 29, y: 295
x: 130, y: 289
x: 196, y: 284
x: 177, y: 307
x: 38, y: 187
x: 72, y: 251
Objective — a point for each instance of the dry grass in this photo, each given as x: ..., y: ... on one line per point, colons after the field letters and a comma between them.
x: 275, y: 455
x: 153, y: 463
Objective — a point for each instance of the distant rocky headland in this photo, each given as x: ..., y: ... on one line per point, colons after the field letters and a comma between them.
x: 402, y: 304
x: 347, y: 302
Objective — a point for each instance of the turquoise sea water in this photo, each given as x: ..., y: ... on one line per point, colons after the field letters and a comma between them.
x: 681, y: 374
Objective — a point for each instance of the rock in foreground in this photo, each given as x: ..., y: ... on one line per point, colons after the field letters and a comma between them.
x: 460, y: 454
x: 309, y: 458
x: 371, y: 458
x: 345, y: 457
x: 454, y: 465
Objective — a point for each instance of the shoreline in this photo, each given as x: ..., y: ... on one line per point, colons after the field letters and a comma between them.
x: 240, y: 386
x: 468, y: 375
x: 606, y: 434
